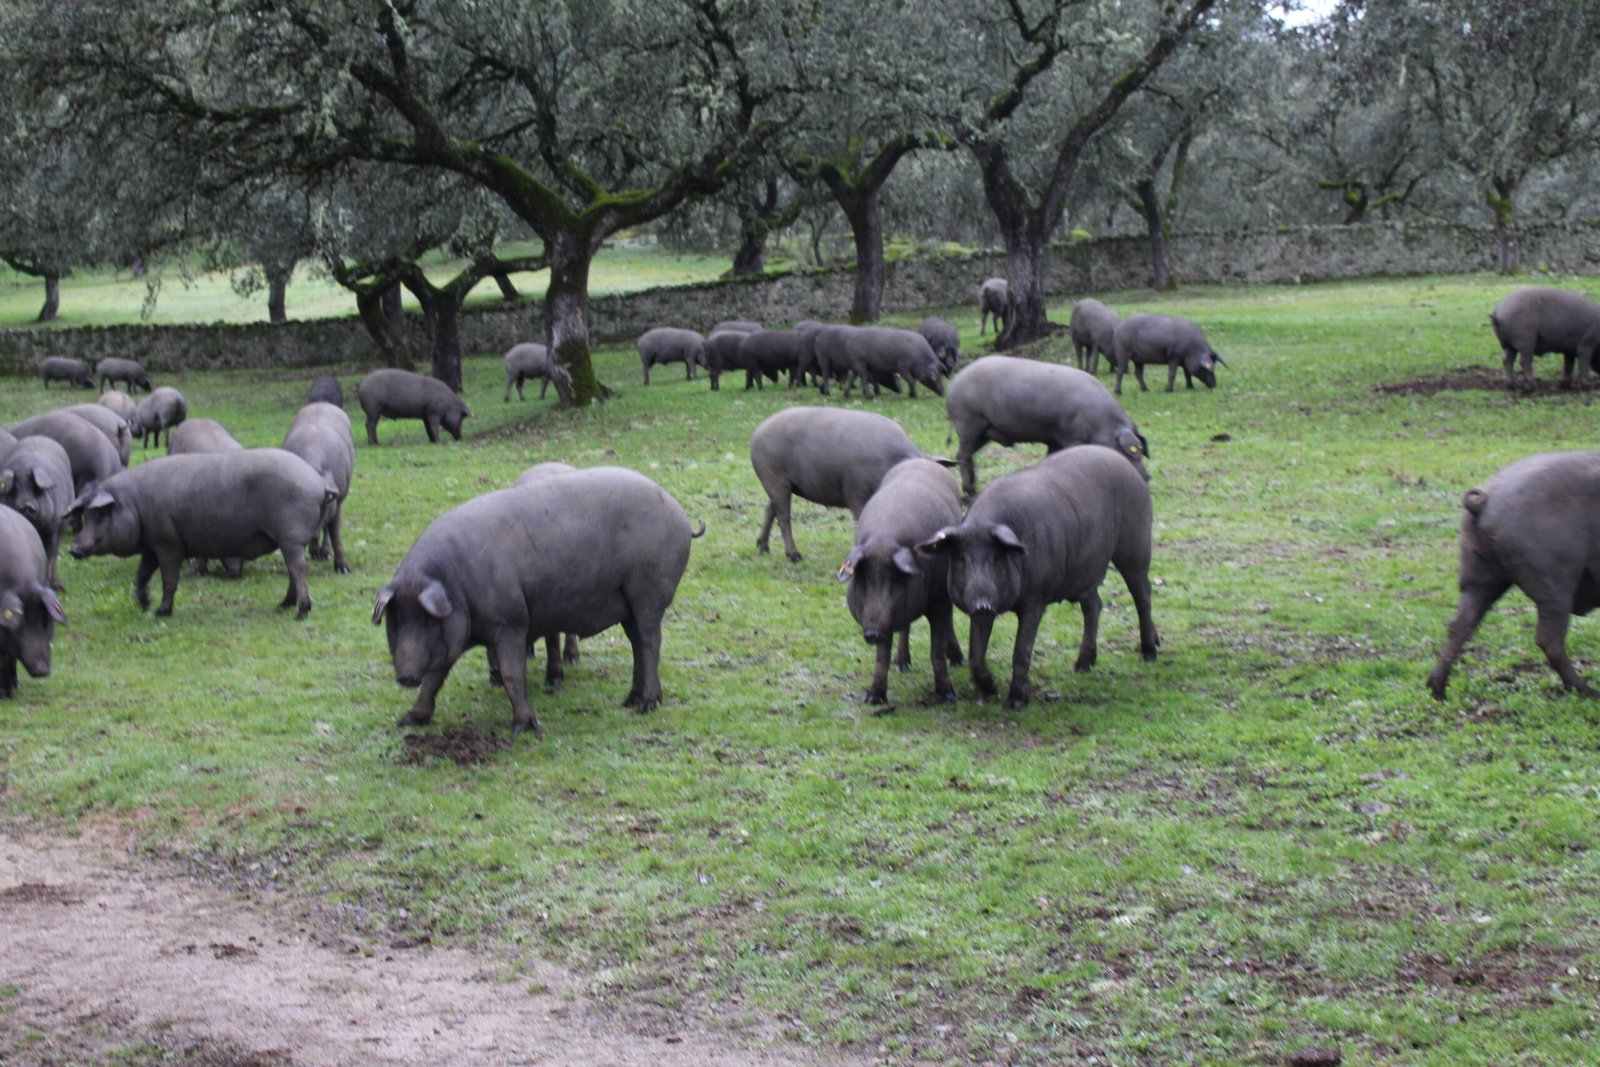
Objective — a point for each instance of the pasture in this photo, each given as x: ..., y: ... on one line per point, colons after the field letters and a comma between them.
x: 1271, y: 838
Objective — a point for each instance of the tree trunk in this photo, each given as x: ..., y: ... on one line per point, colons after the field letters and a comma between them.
x: 1500, y: 199
x: 444, y: 319
x: 1150, y: 208
x: 566, y: 316
x: 866, y: 227
x: 391, y: 345
x: 52, y: 296
x: 751, y: 258
x: 1025, y: 267
x: 394, y: 310
x: 277, y: 295
x: 507, y: 290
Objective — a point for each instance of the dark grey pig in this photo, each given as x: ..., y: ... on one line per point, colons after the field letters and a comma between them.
x: 553, y: 670
x: 93, y: 458
x: 130, y: 372
x: 320, y: 435
x: 891, y: 586
x: 1536, y: 320
x: 824, y: 357
x: 1093, y: 328
x: 1045, y: 534
x: 114, y: 426
x: 875, y: 353
x: 578, y: 553
x: 120, y: 404
x: 1180, y: 344
x: 1008, y: 400
x: 201, y: 435
x: 404, y: 394
x: 29, y: 611
x: 771, y: 353
x: 945, y: 340
x: 65, y: 369
x: 326, y: 390
x: 723, y: 353
x: 36, y: 483
x: 994, y: 299
x: 824, y: 455
x: 212, y: 506
x: 669, y: 344
x: 163, y: 409
x: 529, y: 360
x: 7, y: 439
x: 1535, y: 525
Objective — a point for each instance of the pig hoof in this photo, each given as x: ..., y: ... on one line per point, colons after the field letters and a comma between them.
x: 901, y: 668
x: 1148, y: 654
x: 876, y: 696
x: 570, y: 657
x: 412, y: 718
x: 529, y: 727
x: 553, y: 681
x: 944, y: 696
x: 341, y: 568
x: 1084, y: 666
x: 494, y: 679
x: 164, y: 610
x: 319, y: 553
x: 1016, y: 702
x: 985, y: 684
x: 795, y: 557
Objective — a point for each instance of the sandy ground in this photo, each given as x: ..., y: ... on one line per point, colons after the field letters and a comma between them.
x: 97, y: 954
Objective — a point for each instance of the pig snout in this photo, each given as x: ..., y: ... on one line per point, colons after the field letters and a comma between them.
x: 873, y: 635
x: 410, y: 678
x: 982, y: 606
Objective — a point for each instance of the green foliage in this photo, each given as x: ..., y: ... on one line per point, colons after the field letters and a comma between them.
x: 1268, y: 839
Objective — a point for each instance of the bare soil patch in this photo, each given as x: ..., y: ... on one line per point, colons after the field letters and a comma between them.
x: 99, y: 955
x: 1474, y: 379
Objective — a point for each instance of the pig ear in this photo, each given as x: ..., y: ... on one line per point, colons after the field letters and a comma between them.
x: 941, y: 461
x: 1218, y: 357
x: 434, y: 600
x: 906, y: 560
x: 41, y: 479
x: 5, y: 481
x: 10, y: 611
x: 385, y: 595
x: 1006, y: 536
x: 52, y: 605
x: 943, y: 540
x: 848, y: 567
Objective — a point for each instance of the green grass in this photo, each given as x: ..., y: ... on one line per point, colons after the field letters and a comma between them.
x: 1270, y: 838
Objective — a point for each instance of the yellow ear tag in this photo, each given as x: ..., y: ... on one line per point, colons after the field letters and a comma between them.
x: 10, y: 615
x: 846, y: 569
x: 1134, y: 449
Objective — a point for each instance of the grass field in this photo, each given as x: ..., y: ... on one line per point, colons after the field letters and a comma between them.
x: 1271, y: 838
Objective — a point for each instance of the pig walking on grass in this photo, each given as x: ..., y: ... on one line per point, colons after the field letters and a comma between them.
x: 526, y: 361
x: 1531, y: 322
x: 827, y: 456
x: 1009, y: 400
x: 194, y: 437
x: 1180, y: 344
x: 93, y: 457
x: 669, y: 344
x: 1045, y: 534
x: 320, y: 435
x: 114, y: 426
x: 577, y: 553
x: 160, y: 411
x: 890, y: 585
x: 130, y: 372
x: 212, y: 506
x: 65, y: 369
x: 994, y: 301
x: 1535, y: 525
x: 404, y: 394
x: 29, y: 611
x: 36, y: 482
x: 1093, y: 327
x: 876, y: 353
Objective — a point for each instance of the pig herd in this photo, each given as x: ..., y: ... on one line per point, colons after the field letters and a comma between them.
x: 567, y: 553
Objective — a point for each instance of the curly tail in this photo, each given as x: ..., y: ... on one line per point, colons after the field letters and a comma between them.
x: 700, y: 532
x: 1474, y: 501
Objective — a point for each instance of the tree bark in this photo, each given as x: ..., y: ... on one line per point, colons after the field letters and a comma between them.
x: 866, y: 228
x: 1501, y: 201
x: 1025, y: 271
x: 566, y: 317
x: 1150, y: 209
x: 277, y: 295
x: 446, y: 327
x: 52, y: 296
x: 392, y: 344
x: 507, y: 290
x: 751, y: 257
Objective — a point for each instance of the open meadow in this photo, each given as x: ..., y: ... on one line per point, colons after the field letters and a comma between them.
x: 1271, y: 838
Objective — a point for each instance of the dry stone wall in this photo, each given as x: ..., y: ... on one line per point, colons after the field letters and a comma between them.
x: 1303, y: 254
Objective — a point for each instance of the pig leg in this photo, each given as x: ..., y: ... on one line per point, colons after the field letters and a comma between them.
x: 978, y: 653
x: 969, y: 474
x: 299, y: 594
x: 941, y: 640
x: 1172, y: 376
x: 554, y: 673
x: 1567, y: 360
x: 1476, y: 600
x: 421, y: 713
x: 141, y: 579
x: 1028, y: 618
x: 511, y: 652
x: 902, y: 651
x: 778, y: 509
x: 1551, y: 635
x: 431, y: 424
x: 646, y: 641
x: 333, y: 533
x: 372, y: 428
x: 878, y: 691
x: 1089, y: 648
x: 8, y: 675
x: 544, y: 383
x: 1138, y: 373
x: 1138, y: 583
x: 52, y: 550
x: 171, y: 570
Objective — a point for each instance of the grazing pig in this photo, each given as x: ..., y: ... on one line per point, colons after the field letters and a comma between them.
x: 668, y: 344
x: 36, y: 483
x: 65, y: 369
x: 825, y: 357
x: 1045, y: 534
x: 120, y: 404
x: 1536, y: 320
x: 875, y: 353
x: 577, y: 553
x: 326, y: 390
x: 890, y: 585
x: 404, y: 394
x: 114, y: 426
x: 163, y: 409
x: 130, y: 372
x: 827, y: 456
x: 994, y: 299
x: 723, y: 353
x: 770, y: 353
x: 93, y: 458
x: 1006, y: 400
x: 29, y: 611
x: 320, y: 435
x: 211, y: 506
x: 1093, y: 328
x: 1180, y: 344
x: 201, y: 435
x: 944, y: 339
x: 1535, y: 525
x: 529, y: 360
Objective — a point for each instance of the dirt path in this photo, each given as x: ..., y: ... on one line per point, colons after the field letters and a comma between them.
x: 97, y: 954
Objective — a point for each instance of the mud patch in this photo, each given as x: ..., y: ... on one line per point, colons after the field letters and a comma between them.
x: 1473, y: 379
x: 35, y: 893
x: 461, y: 746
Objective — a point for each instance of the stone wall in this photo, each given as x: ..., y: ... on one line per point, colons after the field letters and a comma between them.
x: 1301, y: 254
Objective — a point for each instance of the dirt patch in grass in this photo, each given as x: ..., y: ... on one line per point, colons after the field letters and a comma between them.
x: 1472, y: 379
x: 460, y: 745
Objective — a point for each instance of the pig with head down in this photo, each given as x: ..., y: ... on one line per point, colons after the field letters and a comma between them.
x: 36, y: 482
x: 1180, y: 344
x: 1045, y: 534
x: 29, y: 610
